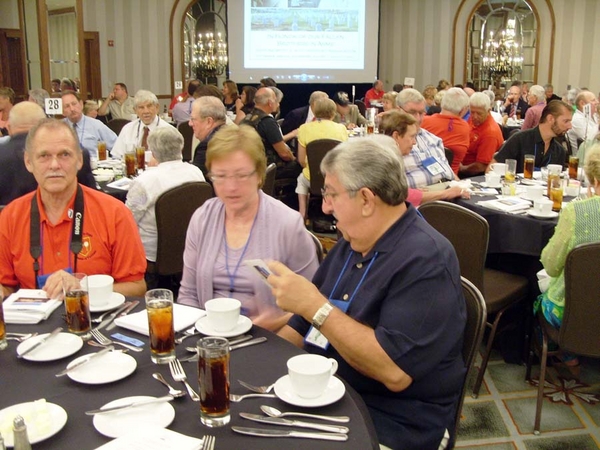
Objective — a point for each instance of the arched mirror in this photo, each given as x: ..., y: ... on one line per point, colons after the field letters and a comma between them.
x: 502, y: 42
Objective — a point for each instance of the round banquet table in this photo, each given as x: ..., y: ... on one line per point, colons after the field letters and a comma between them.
x: 25, y: 381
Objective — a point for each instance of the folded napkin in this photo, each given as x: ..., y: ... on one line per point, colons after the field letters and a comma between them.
x: 28, y: 306
x: 153, y: 438
x: 122, y: 183
x: 507, y: 204
x: 183, y: 317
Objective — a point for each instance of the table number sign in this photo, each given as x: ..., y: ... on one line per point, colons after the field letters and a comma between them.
x: 53, y: 106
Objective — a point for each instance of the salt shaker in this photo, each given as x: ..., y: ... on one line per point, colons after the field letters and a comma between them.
x: 21, y: 440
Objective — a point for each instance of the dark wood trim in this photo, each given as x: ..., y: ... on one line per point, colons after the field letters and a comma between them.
x: 94, y: 70
x: 44, y: 48
x: 552, y: 39
x: 171, y: 56
x: 24, y: 46
x: 83, y: 89
x: 56, y: 12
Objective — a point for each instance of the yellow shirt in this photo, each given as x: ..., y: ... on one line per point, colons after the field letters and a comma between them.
x: 320, y: 129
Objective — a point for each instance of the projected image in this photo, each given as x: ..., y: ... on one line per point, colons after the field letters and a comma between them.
x: 303, y: 19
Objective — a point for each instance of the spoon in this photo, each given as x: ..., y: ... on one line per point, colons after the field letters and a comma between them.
x: 95, y: 344
x: 100, y: 318
x: 19, y: 337
x: 274, y: 412
x: 174, y: 392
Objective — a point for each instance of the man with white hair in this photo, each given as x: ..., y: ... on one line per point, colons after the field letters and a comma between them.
x: 536, y: 98
x: 426, y: 163
x: 302, y: 115
x: 584, y: 124
x: 136, y: 132
x: 485, y: 137
x: 495, y: 114
x: 207, y: 117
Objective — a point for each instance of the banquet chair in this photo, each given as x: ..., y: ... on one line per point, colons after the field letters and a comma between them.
x: 315, y: 152
x: 269, y: 184
x: 468, y: 233
x: 318, y: 246
x: 579, y: 332
x: 188, y: 135
x: 117, y: 124
x: 362, y: 108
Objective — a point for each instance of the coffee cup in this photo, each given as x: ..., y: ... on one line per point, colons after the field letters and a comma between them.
x: 499, y: 168
x: 310, y: 374
x: 223, y: 313
x: 572, y: 189
x: 542, y: 206
x: 100, y: 289
x: 555, y: 169
x: 492, y: 179
x: 534, y: 192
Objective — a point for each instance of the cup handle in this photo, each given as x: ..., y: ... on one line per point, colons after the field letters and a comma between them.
x: 334, y: 366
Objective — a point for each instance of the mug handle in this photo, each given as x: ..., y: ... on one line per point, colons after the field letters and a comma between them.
x: 334, y: 366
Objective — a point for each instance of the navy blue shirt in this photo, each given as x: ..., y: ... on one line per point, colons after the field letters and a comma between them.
x: 412, y: 298
x: 530, y: 142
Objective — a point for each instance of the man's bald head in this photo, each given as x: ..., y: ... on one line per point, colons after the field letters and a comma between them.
x: 23, y: 116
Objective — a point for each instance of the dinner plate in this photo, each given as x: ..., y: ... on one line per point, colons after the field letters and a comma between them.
x: 43, y: 420
x: 114, y: 301
x: 552, y: 215
x: 118, y: 423
x: 60, y: 346
x: 243, y: 325
x: 111, y: 366
x: 333, y: 392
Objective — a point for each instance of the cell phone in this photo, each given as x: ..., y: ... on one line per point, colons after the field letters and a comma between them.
x: 260, y: 267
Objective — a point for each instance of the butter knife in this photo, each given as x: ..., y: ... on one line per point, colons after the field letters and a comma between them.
x: 166, y: 398
x: 126, y: 311
x: 255, y: 341
x: 264, y: 432
x: 295, y: 423
x: 85, y: 361
x: 112, y: 316
x: 40, y: 342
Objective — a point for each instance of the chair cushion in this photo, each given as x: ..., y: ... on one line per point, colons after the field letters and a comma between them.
x: 502, y: 289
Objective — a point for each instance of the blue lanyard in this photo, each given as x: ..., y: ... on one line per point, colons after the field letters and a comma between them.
x: 237, y: 266
x: 347, y: 304
x: 76, y: 126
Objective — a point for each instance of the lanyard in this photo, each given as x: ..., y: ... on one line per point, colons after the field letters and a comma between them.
x: 346, y: 304
x: 35, y: 244
x: 237, y: 266
x: 76, y: 126
x: 137, y: 134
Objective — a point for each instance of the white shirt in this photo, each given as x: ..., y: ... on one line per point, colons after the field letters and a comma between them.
x: 310, y: 116
x: 132, y: 134
x: 578, y: 129
x: 145, y: 190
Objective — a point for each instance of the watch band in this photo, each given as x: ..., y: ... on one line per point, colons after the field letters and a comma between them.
x: 321, y: 315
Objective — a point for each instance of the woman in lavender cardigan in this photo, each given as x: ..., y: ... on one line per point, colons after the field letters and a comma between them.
x: 241, y: 223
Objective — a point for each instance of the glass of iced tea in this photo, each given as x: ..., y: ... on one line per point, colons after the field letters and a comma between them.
x: 101, y: 151
x: 528, y: 166
x: 556, y: 194
x: 3, y: 343
x: 573, y: 167
x: 159, y: 305
x: 130, y: 162
x: 77, y: 304
x: 140, y: 156
x: 213, y: 381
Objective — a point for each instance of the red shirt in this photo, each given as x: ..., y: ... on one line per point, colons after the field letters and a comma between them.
x: 372, y: 94
x: 453, y: 131
x: 485, y: 140
x: 111, y: 241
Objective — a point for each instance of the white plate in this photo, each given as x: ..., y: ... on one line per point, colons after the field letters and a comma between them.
x: 495, y: 186
x: 243, y: 325
x: 333, y: 392
x: 537, y: 215
x: 60, y: 346
x: 119, y: 423
x: 41, y: 424
x: 114, y: 301
x: 111, y: 366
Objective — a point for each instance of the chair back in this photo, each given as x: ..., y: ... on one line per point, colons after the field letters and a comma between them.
x: 174, y: 209
x: 315, y: 152
x: 362, y: 108
x: 117, y: 124
x: 269, y: 184
x: 468, y: 233
x: 188, y: 136
x: 579, y: 332
x: 449, y: 155
x: 318, y: 246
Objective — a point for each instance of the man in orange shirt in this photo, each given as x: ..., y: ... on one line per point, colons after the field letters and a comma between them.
x: 449, y: 125
x: 375, y: 93
x: 78, y: 229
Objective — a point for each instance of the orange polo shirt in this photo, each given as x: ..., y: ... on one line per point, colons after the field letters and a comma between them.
x: 454, y: 133
x: 111, y: 241
x: 485, y: 140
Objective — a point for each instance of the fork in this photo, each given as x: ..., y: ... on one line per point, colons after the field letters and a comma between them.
x: 178, y: 374
x: 100, y: 318
x: 188, y: 333
x: 19, y: 337
x: 238, y: 398
x: 208, y: 443
x: 106, y: 341
x: 259, y: 389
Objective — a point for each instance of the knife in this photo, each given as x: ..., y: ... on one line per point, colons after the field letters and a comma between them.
x: 126, y: 311
x: 236, y: 340
x: 295, y: 423
x: 166, y: 398
x: 258, y: 340
x: 40, y: 342
x: 85, y: 360
x: 112, y: 316
x: 263, y: 432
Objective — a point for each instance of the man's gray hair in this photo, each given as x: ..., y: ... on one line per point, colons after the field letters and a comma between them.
x: 39, y: 96
x: 572, y: 95
x: 409, y: 95
x: 480, y: 100
x: 166, y: 144
x: 491, y: 95
x: 278, y: 93
x: 210, y: 107
x: 262, y: 96
x: 317, y: 95
x: 455, y: 100
x: 25, y: 115
x: 143, y: 96
x: 372, y: 163
x: 538, y: 91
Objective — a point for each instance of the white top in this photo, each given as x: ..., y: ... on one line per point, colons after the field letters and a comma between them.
x: 578, y: 129
x: 132, y: 134
x: 145, y: 190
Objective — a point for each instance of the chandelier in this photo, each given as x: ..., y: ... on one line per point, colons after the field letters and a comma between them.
x: 502, y: 55
x: 210, y: 55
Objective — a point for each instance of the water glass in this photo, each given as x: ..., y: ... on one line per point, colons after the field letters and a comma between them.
x: 511, y: 170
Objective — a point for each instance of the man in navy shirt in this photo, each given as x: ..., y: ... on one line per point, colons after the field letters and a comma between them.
x: 386, y: 303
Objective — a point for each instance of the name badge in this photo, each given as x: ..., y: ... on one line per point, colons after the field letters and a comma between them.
x: 433, y: 166
x: 316, y: 338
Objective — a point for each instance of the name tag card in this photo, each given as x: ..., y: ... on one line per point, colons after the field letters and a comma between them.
x: 433, y: 166
x: 53, y: 106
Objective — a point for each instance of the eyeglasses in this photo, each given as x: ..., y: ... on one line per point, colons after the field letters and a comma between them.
x: 412, y: 112
x: 238, y: 177
x: 332, y: 195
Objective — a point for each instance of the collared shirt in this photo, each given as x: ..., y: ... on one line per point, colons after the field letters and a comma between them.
x: 533, y: 115
x: 182, y: 111
x: 484, y: 140
x: 582, y: 128
x: 428, y: 146
x: 133, y: 133
x: 91, y: 131
x: 530, y: 142
x: 310, y: 116
x: 122, y: 110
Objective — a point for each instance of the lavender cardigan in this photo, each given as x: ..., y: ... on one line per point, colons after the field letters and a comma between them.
x: 279, y: 234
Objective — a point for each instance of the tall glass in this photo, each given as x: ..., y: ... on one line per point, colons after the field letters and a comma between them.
x: 101, y: 151
x: 140, y: 156
x: 77, y: 304
x: 553, y: 174
x: 528, y: 166
x: 213, y: 381
x: 556, y: 194
x: 130, y: 162
x: 511, y: 170
x: 3, y: 343
x: 159, y: 305
x: 573, y: 167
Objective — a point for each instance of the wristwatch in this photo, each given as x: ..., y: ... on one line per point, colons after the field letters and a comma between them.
x: 321, y: 315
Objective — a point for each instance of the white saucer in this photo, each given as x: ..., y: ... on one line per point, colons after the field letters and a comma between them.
x: 119, y: 423
x: 41, y: 423
x: 552, y: 215
x: 60, y: 346
x: 243, y: 325
x: 334, y: 391
x: 114, y: 301
x: 111, y: 366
